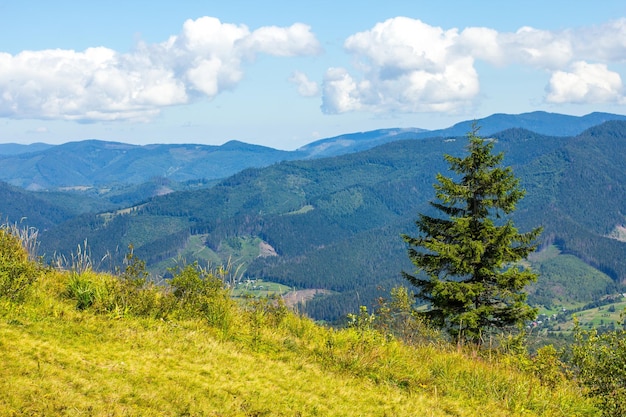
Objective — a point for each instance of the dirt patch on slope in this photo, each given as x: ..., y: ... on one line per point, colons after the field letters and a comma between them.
x: 619, y: 233
x: 265, y: 249
x: 302, y: 296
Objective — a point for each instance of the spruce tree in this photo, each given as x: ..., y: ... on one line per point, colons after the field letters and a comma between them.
x: 467, y: 258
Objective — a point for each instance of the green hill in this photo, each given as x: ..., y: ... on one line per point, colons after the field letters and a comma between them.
x: 28, y: 208
x: 99, y: 163
x: 334, y: 223
x: 84, y: 343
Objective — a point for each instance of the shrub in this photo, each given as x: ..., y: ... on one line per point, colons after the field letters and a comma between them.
x: 108, y: 294
x: 17, y: 271
x: 263, y: 313
x: 81, y: 289
x: 200, y: 292
x: 547, y: 366
x: 135, y: 295
x: 398, y: 317
x: 600, y: 360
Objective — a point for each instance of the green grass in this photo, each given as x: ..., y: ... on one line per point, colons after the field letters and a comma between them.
x: 84, y: 343
x: 565, y: 281
x: 238, y: 251
x: 259, y: 288
x: 602, y: 316
x: 547, y: 253
x: 57, y: 360
x: 197, y: 250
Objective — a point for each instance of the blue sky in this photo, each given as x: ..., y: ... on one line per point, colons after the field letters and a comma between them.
x: 284, y: 73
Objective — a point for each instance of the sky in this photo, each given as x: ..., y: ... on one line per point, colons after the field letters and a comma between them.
x: 286, y: 73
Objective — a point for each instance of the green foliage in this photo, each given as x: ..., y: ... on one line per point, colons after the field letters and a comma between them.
x: 199, y: 292
x: 600, y: 361
x: 566, y: 280
x: 547, y: 366
x: 17, y: 271
x: 398, y: 317
x: 363, y: 321
x: 117, y: 296
x: 81, y: 289
x: 357, y: 204
x: 472, y: 283
x: 263, y: 313
x: 135, y: 273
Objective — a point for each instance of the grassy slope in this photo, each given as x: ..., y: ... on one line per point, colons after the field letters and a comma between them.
x: 566, y: 281
x: 56, y: 360
x: 239, y: 251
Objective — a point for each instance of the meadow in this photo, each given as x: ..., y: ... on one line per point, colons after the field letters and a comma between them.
x: 74, y: 342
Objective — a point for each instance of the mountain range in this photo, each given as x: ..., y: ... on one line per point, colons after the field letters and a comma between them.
x: 97, y: 163
x: 334, y: 223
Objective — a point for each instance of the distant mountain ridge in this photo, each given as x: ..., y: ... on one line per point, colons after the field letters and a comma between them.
x: 96, y: 162
x: 354, y: 142
x: 543, y: 123
x: 335, y: 223
x: 17, y: 148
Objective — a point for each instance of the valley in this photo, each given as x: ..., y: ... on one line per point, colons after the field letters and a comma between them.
x: 331, y: 225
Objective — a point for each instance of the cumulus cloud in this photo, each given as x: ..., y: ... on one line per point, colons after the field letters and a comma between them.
x: 606, y: 42
x: 406, y: 65
x: 292, y: 41
x: 203, y: 60
x: 545, y: 49
x: 585, y: 83
x: 306, y: 87
x: 527, y: 46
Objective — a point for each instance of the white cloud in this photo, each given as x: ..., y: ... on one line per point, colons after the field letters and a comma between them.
x: 41, y: 129
x: 292, y: 41
x: 101, y: 84
x: 406, y: 65
x: 545, y: 49
x: 341, y: 93
x: 606, y: 42
x: 529, y: 46
x: 306, y: 87
x: 585, y: 83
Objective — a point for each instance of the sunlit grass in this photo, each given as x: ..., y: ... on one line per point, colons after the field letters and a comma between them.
x: 57, y: 359
x: 86, y: 365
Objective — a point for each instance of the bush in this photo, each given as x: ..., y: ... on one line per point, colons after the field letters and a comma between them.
x: 263, y: 313
x: 200, y: 292
x: 600, y: 360
x: 119, y: 297
x: 398, y: 317
x: 547, y: 366
x: 17, y: 271
x: 81, y: 289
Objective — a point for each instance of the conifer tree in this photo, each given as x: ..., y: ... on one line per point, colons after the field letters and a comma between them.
x: 467, y: 258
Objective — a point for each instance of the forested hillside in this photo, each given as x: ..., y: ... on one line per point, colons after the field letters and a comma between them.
x: 95, y: 163
x: 19, y: 205
x: 335, y: 223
